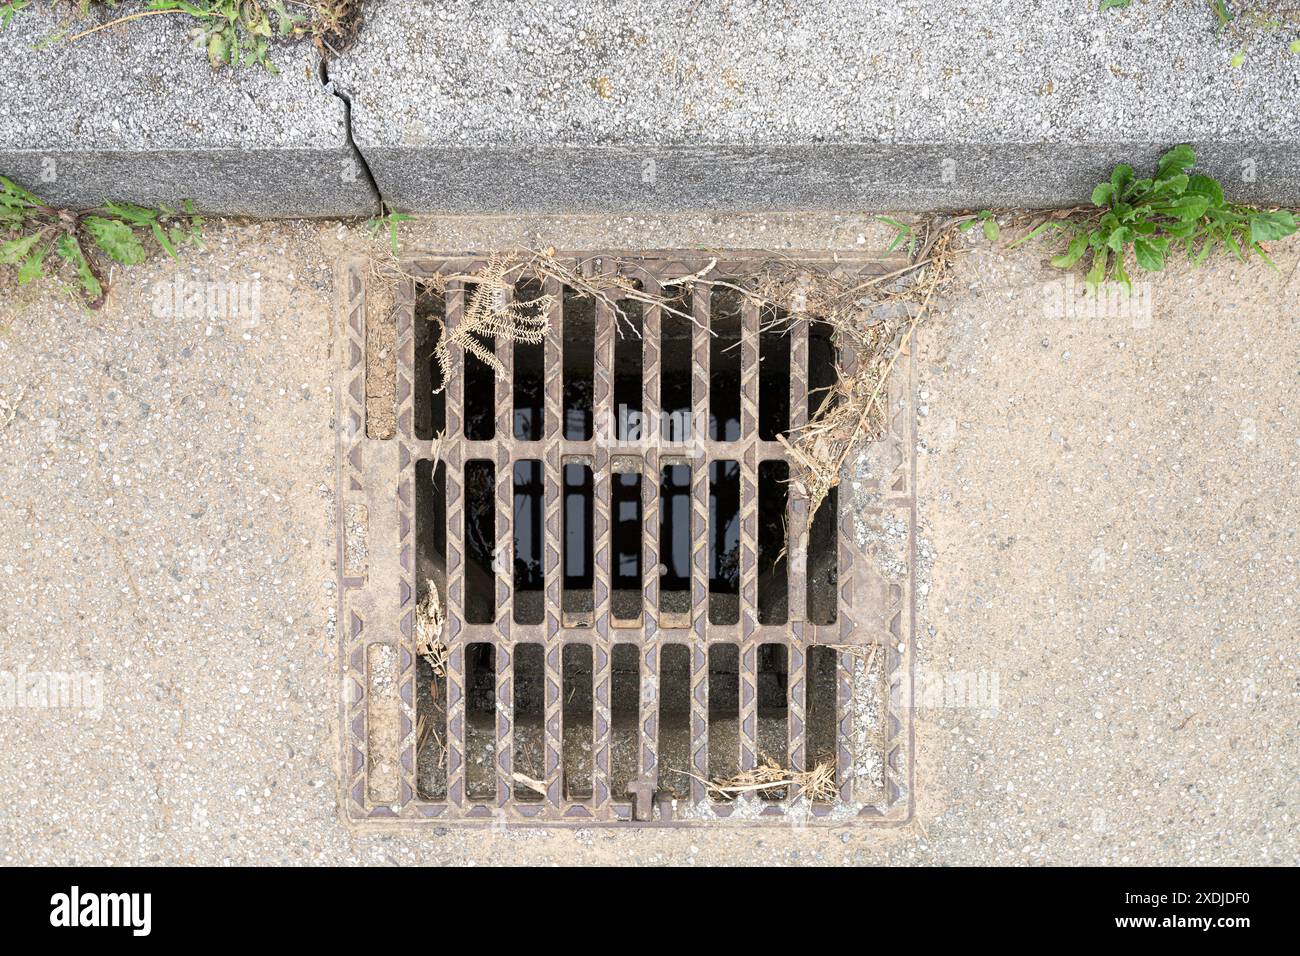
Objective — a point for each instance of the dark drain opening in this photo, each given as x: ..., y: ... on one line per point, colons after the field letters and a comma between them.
x: 724, y: 542
x: 577, y: 720
x: 480, y: 721
x: 579, y: 364
x: 576, y: 598
x: 480, y: 541
x: 821, y: 368
x: 675, y: 545
x: 773, y: 372
x: 625, y: 580
x: 529, y: 720
x: 675, y: 719
x: 431, y: 733
x: 430, y: 415
x: 724, y: 364
x: 430, y: 528
x: 819, y: 703
x: 431, y: 571
x: 529, y: 512
x: 628, y: 381
x: 480, y: 385
x: 724, y: 711
x: 676, y: 368
x: 823, y: 563
x: 773, y: 573
x: 773, y: 710
x: 530, y: 374
x: 625, y: 714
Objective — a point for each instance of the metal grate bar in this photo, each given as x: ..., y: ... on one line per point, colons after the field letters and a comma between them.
x: 796, y: 681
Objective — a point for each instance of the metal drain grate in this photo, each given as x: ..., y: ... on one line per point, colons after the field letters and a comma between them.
x: 635, y: 603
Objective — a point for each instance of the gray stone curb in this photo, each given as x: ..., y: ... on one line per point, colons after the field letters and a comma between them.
x: 500, y: 106
x: 131, y: 113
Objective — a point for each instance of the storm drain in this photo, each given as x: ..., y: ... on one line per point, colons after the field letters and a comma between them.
x: 637, y: 607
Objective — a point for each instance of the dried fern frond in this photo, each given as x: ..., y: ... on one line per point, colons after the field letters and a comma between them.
x: 491, y: 312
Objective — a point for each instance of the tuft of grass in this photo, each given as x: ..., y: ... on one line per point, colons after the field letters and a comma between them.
x: 985, y: 219
x: 9, y: 9
x: 904, y: 235
x: 1244, y: 21
x: 1148, y: 218
x: 237, y: 32
x: 387, y: 223
x: 1247, y: 20
x: 42, y: 240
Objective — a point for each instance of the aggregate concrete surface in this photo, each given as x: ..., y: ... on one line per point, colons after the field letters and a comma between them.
x: 467, y: 73
x: 1107, y: 534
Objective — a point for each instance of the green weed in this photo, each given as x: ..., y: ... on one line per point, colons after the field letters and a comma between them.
x: 986, y: 219
x: 9, y: 9
x: 42, y: 240
x: 390, y: 222
x: 1151, y: 217
x: 233, y: 32
x: 903, y: 235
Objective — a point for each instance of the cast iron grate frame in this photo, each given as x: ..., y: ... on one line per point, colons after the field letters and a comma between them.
x: 377, y: 601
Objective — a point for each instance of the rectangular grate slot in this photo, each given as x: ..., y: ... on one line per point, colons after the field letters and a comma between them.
x: 773, y: 373
x: 579, y: 365
x: 724, y: 364
x: 431, y: 528
x: 675, y: 545
x: 625, y: 714
x: 480, y: 721
x: 577, y: 715
x: 675, y: 719
x: 480, y: 402
x: 724, y: 711
x: 773, y: 710
x: 528, y: 514
x: 629, y: 353
x: 529, y: 692
x: 773, y: 547
x: 823, y: 561
x: 626, y: 526
x: 430, y: 414
x: 821, y: 369
x: 381, y: 369
x: 529, y: 374
x: 382, y: 734
x: 579, y: 561
x: 610, y: 590
x: 431, y: 732
x: 820, y: 703
x: 724, y: 542
x: 431, y: 571
x: 480, y: 541
x: 676, y: 370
